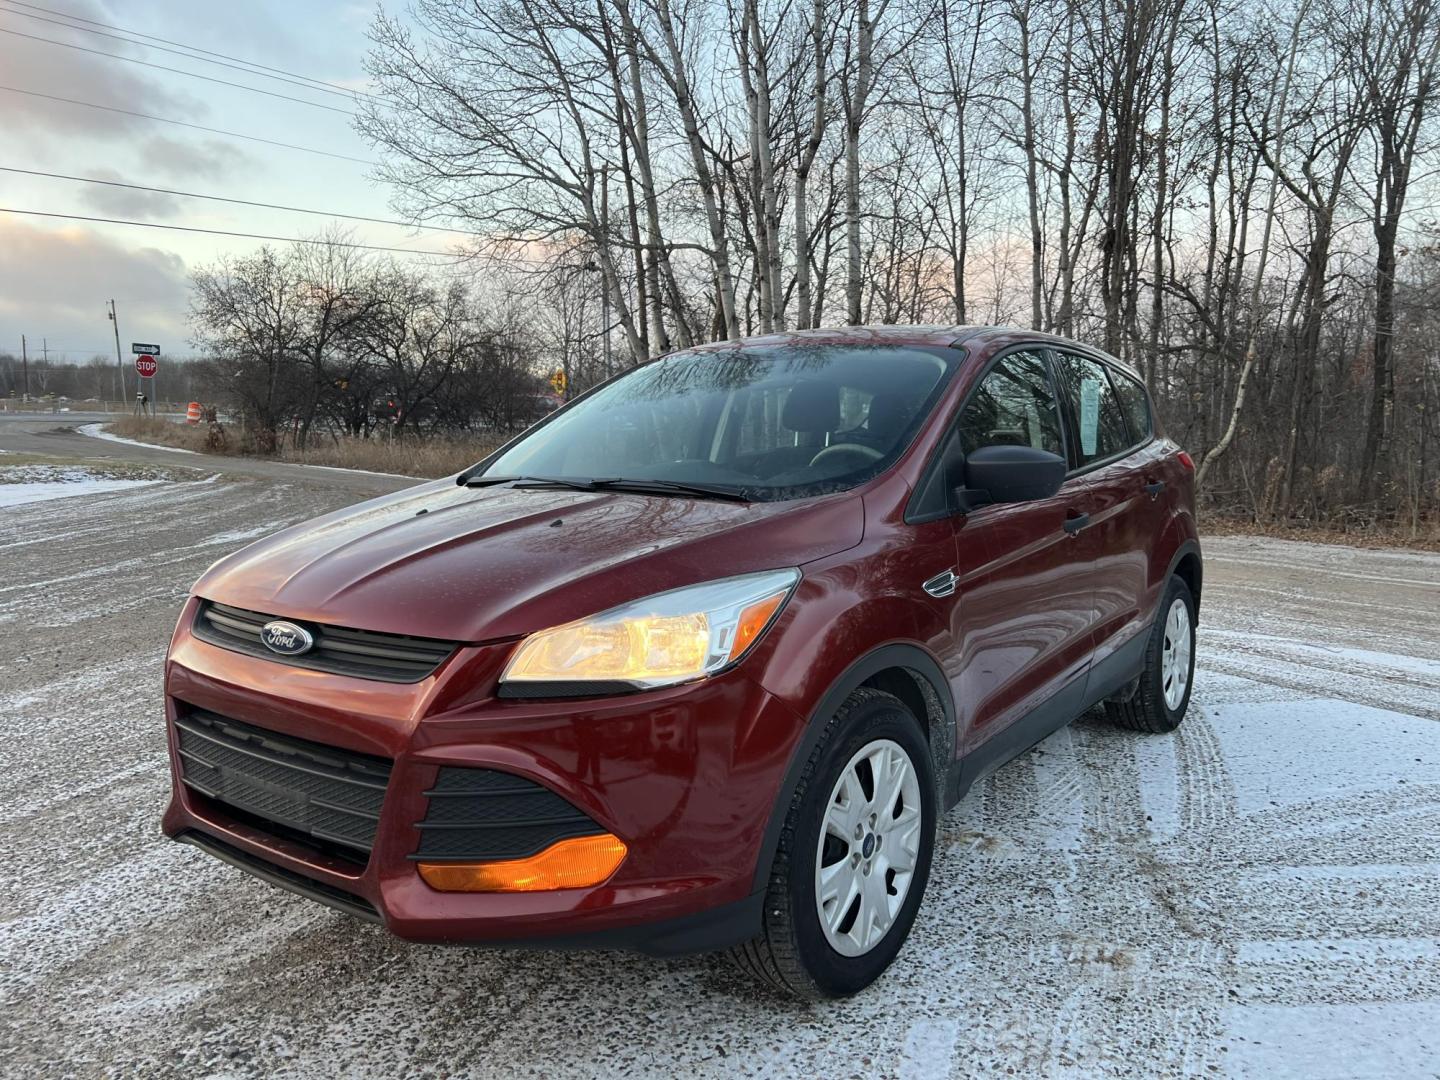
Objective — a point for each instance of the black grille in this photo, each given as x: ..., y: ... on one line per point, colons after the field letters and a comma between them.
x: 479, y: 815
x: 363, y: 653
x: 317, y: 793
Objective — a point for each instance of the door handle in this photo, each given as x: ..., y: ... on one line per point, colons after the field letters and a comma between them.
x: 1153, y: 490
x: 1075, y: 522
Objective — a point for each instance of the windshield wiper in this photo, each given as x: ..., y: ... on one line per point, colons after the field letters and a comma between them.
x: 675, y: 487
x: 535, y: 482
x: 638, y: 486
x: 488, y: 481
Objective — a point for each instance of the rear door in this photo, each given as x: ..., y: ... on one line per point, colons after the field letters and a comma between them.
x: 1022, y: 626
x: 1112, y: 467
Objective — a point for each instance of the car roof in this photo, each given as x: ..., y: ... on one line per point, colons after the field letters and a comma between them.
x: 853, y: 335
x: 935, y: 336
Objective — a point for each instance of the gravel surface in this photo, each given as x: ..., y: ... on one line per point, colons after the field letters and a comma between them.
x: 1257, y: 895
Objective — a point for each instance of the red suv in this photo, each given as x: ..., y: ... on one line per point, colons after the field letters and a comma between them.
x: 697, y: 661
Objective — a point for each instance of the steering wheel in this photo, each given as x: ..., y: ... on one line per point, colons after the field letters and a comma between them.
x: 853, y: 455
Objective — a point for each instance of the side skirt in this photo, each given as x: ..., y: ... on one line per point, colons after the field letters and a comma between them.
x: 1111, y: 675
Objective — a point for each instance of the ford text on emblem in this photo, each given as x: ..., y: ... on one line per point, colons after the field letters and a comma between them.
x: 286, y: 638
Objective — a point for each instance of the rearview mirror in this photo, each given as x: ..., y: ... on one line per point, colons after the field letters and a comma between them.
x: 1009, y: 474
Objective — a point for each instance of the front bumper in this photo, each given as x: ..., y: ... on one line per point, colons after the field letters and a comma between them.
x: 686, y: 776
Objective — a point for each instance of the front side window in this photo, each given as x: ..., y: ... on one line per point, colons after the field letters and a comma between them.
x: 768, y: 423
x: 1100, y: 430
x: 1014, y: 405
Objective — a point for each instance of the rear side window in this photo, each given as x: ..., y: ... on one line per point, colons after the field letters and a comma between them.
x: 1014, y: 405
x: 1134, y: 404
x: 1100, y: 430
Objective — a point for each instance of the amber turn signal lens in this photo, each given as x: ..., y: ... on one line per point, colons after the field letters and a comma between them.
x: 566, y: 864
x: 752, y: 623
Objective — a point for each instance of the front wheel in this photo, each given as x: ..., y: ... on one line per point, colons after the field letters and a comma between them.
x: 1162, y: 694
x: 854, y: 854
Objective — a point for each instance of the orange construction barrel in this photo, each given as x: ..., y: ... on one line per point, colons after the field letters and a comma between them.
x: 192, y: 414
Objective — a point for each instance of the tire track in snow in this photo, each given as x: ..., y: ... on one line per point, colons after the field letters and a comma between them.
x: 1207, y: 795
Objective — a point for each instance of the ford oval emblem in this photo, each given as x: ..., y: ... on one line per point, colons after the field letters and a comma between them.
x: 286, y: 638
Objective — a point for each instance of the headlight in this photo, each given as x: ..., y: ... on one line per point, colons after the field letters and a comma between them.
x: 667, y: 638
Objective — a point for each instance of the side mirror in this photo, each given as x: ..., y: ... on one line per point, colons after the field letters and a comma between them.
x: 1010, y: 474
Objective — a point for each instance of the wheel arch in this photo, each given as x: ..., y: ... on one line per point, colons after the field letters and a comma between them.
x: 1187, y: 564
x: 911, y: 674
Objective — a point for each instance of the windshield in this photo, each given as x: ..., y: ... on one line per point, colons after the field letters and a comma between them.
x: 767, y: 423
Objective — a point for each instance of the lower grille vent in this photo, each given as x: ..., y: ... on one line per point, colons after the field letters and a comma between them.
x: 483, y: 815
x: 315, y: 792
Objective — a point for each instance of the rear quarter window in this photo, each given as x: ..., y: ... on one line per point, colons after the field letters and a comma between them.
x: 1135, y: 404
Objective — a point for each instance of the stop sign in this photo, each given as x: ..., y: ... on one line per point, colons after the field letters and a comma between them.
x: 146, y: 366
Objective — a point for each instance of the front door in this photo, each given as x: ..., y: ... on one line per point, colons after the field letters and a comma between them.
x: 1026, y: 606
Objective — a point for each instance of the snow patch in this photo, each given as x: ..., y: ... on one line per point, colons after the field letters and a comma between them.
x: 1360, y: 658
x: 363, y: 472
x: 1307, y: 750
x: 1380, y: 1039
x: 238, y: 536
x: 929, y: 1049
x: 95, y: 431
x: 19, y: 494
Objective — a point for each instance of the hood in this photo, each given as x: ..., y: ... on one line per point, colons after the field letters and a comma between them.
x: 479, y: 564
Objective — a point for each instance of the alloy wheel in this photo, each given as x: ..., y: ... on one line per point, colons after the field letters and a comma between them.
x: 1175, y: 654
x: 868, y: 848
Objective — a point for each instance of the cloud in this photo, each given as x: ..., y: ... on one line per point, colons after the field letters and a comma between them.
x: 206, y: 158
x: 47, y: 124
x: 127, y: 202
x: 65, y: 72
x: 55, y: 282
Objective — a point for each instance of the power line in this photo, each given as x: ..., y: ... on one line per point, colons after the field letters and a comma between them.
x: 237, y: 202
x: 226, y: 232
x: 177, y: 52
x: 192, y: 48
x: 187, y: 124
x: 175, y: 71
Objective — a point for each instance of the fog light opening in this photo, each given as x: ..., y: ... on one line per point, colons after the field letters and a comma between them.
x: 577, y: 863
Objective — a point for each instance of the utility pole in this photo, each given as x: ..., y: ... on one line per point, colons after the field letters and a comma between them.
x: 119, y: 364
x: 25, y: 366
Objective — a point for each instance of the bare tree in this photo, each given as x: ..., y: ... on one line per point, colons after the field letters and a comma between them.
x: 247, y: 312
x: 1396, y: 49
x: 1275, y: 116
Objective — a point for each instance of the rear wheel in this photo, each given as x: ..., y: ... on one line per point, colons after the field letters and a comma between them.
x: 1160, y: 698
x: 854, y: 854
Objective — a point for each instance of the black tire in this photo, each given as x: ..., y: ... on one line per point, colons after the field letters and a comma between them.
x: 791, y: 954
x: 1145, y: 709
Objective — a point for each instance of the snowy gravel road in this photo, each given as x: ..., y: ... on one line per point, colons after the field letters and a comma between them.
x: 1255, y: 896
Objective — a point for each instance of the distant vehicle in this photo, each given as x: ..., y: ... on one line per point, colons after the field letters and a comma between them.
x: 698, y: 660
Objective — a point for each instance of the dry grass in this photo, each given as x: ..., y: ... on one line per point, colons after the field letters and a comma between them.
x: 159, y: 432
x: 1214, y: 523
x: 424, y: 458
x: 427, y: 458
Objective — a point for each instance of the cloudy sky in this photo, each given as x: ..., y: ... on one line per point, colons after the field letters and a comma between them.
x: 57, y: 275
